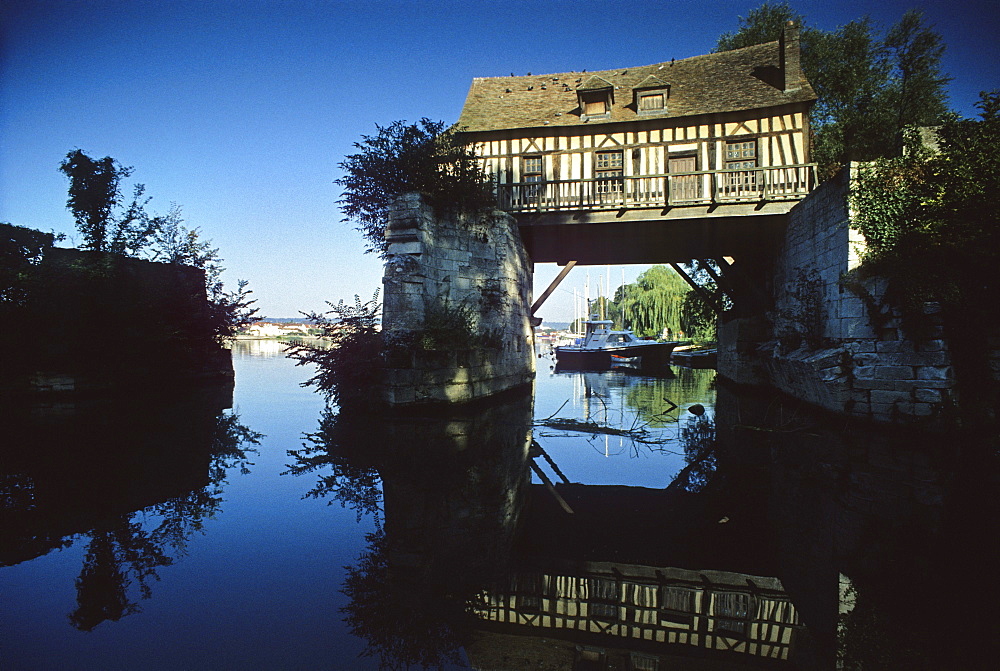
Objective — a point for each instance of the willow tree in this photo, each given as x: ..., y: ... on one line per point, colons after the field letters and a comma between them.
x: 652, y: 303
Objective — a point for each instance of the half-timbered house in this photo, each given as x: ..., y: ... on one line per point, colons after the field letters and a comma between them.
x: 711, y: 136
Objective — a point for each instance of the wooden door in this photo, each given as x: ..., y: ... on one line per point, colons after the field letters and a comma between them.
x: 683, y: 187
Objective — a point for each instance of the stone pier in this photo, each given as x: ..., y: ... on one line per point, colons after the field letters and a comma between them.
x: 471, y: 274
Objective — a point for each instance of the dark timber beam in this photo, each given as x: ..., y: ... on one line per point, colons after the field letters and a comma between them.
x: 709, y: 298
x: 722, y: 283
x: 552, y: 287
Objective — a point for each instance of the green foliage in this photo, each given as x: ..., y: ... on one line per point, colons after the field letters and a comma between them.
x: 102, y: 217
x: 20, y: 250
x: 652, y: 303
x: 868, y: 87
x: 930, y: 218
x: 448, y: 326
x: 353, y: 361
x: 426, y: 158
x: 699, y: 320
x: 803, y: 321
x: 761, y: 25
x: 108, y: 225
x: 94, y: 195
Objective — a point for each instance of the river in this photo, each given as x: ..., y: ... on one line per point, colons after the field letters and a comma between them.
x: 611, y: 521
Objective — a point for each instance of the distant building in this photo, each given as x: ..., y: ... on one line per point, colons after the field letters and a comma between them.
x: 263, y: 330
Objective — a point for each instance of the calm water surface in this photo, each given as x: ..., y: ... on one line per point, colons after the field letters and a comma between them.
x: 611, y: 522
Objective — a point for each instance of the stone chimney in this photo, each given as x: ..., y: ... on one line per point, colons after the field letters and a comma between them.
x: 790, y: 64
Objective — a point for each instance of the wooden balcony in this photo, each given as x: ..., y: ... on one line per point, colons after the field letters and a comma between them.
x: 705, y: 187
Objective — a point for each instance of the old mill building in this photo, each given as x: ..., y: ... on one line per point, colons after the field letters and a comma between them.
x: 698, y: 140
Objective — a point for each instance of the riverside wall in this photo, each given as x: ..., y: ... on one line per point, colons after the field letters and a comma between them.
x: 472, y: 270
x: 821, y: 342
x: 95, y: 323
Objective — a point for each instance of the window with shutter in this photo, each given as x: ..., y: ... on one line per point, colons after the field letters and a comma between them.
x: 651, y: 102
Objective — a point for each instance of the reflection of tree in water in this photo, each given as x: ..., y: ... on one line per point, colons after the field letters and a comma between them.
x: 117, y: 558
x: 122, y: 556
x: 697, y: 435
x: 350, y: 481
x: 403, y: 622
x: 653, y: 398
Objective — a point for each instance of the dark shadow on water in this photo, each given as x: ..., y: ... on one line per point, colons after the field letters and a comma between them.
x: 135, y: 478
x: 789, y: 540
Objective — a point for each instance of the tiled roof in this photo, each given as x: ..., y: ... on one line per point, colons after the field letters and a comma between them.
x: 741, y: 79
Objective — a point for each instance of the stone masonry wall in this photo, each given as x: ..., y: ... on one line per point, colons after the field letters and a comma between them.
x: 824, y: 347
x: 449, y: 263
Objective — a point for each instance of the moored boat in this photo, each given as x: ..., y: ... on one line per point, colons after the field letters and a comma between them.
x: 601, y: 343
x: 695, y: 358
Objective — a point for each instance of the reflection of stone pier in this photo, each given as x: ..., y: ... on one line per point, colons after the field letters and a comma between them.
x: 453, y: 487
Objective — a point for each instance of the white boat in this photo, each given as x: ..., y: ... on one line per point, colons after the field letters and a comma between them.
x: 601, y: 342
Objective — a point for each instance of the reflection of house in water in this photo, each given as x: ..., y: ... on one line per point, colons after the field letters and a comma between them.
x: 622, y: 612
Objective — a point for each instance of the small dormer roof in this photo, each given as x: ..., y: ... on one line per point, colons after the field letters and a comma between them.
x: 650, y: 82
x: 595, y: 83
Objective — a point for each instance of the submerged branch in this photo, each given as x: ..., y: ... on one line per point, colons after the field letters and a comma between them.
x: 639, y: 434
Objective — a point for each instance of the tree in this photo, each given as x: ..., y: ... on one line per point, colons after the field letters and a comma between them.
x: 425, y: 158
x: 652, y: 303
x: 350, y: 368
x: 761, y: 25
x: 108, y: 225
x: 919, y: 89
x: 699, y: 320
x: 20, y: 250
x: 868, y: 88
x: 95, y: 199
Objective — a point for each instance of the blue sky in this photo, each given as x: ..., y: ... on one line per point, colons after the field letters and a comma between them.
x: 240, y: 111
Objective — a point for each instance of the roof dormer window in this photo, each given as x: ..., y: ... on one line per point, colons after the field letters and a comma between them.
x: 596, y: 106
x: 596, y: 96
x: 651, y: 96
x: 652, y: 102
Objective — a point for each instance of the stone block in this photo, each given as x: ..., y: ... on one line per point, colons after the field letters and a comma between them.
x: 917, y: 359
x: 923, y: 409
x: 932, y: 346
x: 856, y: 327
x: 882, y: 412
x: 894, y: 346
x: 936, y: 384
x: 861, y: 346
x: 925, y: 395
x: 935, y: 373
x: 900, y: 385
x: 869, y: 383
x: 894, y: 372
x: 399, y: 395
x: 882, y: 396
x: 861, y: 410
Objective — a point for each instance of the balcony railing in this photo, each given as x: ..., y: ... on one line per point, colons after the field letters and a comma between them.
x: 791, y: 182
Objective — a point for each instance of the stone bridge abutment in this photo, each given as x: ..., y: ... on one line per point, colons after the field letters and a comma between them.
x: 457, y: 297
